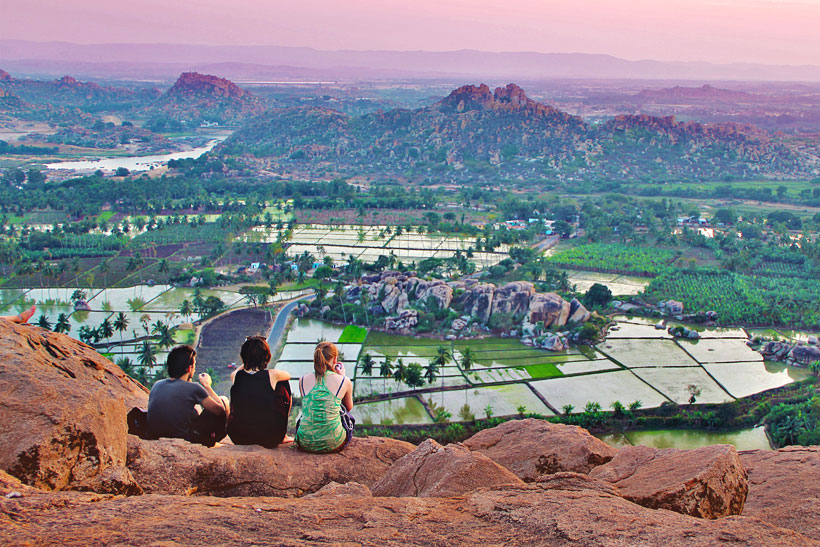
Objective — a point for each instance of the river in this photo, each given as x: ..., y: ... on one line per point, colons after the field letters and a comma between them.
x: 132, y: 163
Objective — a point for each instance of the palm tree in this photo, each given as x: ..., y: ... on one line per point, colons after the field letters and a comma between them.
x: 147, y: 357
x: 126, y: 365
x: 62, y: 324
x: 431, y: 372
x: 157, y: 327
x: 385, y: 370
x: 401, y: 371
x: 106, y: 329
x: 142, y: 375
x: 166, y: 337
x: 44, y: 322
x: 367, y: 363
x: 443, y: 356
x: 467, y: 358
x: 121, y: 324
x: 186, y: 309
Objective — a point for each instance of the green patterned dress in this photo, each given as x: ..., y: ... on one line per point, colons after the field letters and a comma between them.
x: 320, y: 428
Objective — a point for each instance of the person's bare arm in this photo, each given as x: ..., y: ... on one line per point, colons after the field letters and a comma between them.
x: 277, y: 375
x: 347, y: 398
x: 233, y: 374
x: 212, y: 403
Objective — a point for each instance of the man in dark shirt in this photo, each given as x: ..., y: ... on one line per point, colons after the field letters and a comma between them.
x: 172, y: 403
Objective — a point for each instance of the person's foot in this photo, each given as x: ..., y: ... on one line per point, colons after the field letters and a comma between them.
x: 26, y: 315
x: 287, y: 440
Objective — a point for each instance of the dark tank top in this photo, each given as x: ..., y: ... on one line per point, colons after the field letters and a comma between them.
x: 259, y: 414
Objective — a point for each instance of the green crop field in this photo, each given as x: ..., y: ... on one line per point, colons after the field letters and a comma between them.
x: 353, y: 335
x: 544, y: 370
x: 615, y: 257
x: 743, y: 299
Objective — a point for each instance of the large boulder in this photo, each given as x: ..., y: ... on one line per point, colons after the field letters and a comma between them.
x: 783, y: 487
x: 439, y: 291
x: 577, y: 312
x: 63, y: 412
x: 534, y: 449
x: 549, y: 308
x: 805, y: 354
x: 477, y: 301
x: 433, y: 470
x: 391, y: 297
x: 174, y: 466
x: 708, y: 482
x: 513, y: 298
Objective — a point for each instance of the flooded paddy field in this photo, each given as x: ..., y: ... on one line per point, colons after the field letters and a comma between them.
x: 367, y: 243
x: 743, y: 439
x: 636, y: 363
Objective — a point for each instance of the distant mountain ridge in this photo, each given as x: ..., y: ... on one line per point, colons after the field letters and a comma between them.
x: 68, y: 91
x: 120, y: 60
x: 476, y: 133
x: 704, y: 93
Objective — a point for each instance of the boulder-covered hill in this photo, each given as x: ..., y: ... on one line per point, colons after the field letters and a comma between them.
x: 70, y: 92
x: 476, y: 132
x: 196, y: 98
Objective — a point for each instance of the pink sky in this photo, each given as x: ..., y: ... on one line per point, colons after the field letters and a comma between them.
x: 768, y: 31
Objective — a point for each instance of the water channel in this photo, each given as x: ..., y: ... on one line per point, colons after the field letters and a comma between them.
x: 132, y: 163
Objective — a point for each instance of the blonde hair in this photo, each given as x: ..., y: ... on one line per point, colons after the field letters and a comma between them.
x: 324, y: 357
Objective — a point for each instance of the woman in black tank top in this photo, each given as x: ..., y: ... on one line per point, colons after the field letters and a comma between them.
x: 260, y: 398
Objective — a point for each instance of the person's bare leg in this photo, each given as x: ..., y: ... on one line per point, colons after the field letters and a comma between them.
x: 28, y: 314
x: 22, y: 317
x: 287, y: 440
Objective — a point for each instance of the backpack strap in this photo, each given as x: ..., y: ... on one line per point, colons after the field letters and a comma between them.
x: 302, y: 386
x: 340, y: 385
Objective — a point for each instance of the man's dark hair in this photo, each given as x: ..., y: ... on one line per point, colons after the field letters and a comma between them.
x: 255, y: 353
x: 180, y: 360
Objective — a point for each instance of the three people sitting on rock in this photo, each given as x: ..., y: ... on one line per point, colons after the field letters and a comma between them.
x: 260, y: 402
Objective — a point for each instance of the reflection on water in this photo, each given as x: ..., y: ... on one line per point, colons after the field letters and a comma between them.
x: 744, y: 439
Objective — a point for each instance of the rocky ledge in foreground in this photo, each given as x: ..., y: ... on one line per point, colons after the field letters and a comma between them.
x: 510, y: 516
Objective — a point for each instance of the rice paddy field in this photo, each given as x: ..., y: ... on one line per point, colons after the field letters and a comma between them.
x: 367, y: 243
x: 142, y: 305
x: 635, y: 363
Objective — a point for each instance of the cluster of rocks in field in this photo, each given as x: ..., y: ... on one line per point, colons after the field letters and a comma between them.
x: 393, y: 294
x: 67, y: 463
x: 795, y: 354
x: 667, y: 308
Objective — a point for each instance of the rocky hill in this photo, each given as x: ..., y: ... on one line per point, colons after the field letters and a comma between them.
x: 514, y: 308
x: 70, y: 475
x: 476, y: 133
x: 196, y: 98
x: 203, y: 85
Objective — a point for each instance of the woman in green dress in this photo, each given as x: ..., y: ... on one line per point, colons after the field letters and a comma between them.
x: 327, y: 396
